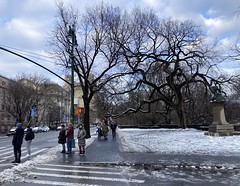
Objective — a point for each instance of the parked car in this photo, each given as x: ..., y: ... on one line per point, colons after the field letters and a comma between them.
x: 45, y: 129
x: 12, y: 131
x: 36, y: 129
x: 59, y: 128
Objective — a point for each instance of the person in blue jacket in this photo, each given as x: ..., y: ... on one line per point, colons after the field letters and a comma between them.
x: 17, y: 143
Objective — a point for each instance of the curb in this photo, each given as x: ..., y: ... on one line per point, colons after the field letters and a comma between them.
x: 156, y: 167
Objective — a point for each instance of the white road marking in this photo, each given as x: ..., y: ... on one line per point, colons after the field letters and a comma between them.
x: 5, y: 164
x: 57, y: 183
x: 6, y: 149
x: 10, y: 151
x: 88, y: 177
x: 34, y: 153
x: 23, y: 151
x: 79, y: 171
x: 82, y: 167
x: 6, y: 157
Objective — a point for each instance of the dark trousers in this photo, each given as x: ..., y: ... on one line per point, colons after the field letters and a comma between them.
x: 17, y: 152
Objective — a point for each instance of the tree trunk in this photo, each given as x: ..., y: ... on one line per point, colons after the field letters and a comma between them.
x: 86, y: 118
x: 181, y: 117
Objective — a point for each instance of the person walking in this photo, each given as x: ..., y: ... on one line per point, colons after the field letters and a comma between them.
x: 62, y: 138
x: 17, y: 143
x: 81, y: 139
x: 113, y: 127
x: 70, y: 136
x: 29, y: 137
x: 105, y: 130
x: 99, y: 131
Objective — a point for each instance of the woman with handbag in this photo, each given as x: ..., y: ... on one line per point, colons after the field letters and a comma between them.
x: 81, y: 139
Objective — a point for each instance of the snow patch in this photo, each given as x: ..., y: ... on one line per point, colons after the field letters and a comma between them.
x: 15, y: 174
x: 178, y: 141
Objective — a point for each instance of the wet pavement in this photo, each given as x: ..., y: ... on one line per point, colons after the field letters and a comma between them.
x: 107, y: 157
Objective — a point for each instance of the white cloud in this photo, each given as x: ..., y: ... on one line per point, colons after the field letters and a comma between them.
x: 25, y: 24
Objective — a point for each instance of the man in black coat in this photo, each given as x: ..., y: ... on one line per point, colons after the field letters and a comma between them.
x: 17, y: 143
x: 62, y: 138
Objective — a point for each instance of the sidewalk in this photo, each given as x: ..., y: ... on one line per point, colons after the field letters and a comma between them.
x: 109, y: 152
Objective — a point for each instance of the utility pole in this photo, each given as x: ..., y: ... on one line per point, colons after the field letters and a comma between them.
x: 72, y: 41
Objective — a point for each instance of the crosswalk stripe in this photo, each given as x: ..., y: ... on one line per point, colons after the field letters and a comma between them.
x: 79, y: 171
x: 75, y: 166
x: 6, y: 157
x: 11, y: 151
x: 23, y: 157
x: 34, y: 153
x: 88, y: 177
x: 57, y: 183
x: 6, y: 149
x: 5, y: 164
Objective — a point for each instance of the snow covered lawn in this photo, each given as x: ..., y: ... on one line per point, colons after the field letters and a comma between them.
x: 178, y: 141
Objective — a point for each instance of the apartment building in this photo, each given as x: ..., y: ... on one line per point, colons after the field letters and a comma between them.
x: 7, y: 121
x: 52, y: 109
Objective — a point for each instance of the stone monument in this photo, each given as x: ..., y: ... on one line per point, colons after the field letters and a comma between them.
x: 219, y: 126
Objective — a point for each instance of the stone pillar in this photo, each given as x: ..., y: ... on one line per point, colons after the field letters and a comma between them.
x: 219, y: 126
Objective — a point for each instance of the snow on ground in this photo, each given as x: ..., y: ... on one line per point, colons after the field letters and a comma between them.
x: 165, y: 141
x: 178, y: 141
x: 15, y: 173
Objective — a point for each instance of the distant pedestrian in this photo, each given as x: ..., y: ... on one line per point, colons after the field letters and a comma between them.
x: 29, y: 137
x: 81, y: 139
x: 99, y: 131
x: 17, y: 143
x: 113, y: 128
x: 105, y: 130
x: 70, y: 136
x: 62, y: 138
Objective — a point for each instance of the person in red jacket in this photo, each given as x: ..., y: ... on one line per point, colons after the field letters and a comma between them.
x: 70, y: 137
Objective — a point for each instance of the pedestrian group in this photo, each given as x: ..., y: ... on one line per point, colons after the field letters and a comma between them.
x: 64, y: 136
x: 67, y: 136
x: 18, y: 140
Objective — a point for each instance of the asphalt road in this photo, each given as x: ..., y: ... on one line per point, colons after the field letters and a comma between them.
x: 41, y: 143
x: 106, y: 164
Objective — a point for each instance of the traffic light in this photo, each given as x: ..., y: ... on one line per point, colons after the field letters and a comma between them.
x: 78, y: 110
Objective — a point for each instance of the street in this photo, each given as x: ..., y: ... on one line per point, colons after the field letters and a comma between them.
x: 41, y: 143
x: 104, y: 164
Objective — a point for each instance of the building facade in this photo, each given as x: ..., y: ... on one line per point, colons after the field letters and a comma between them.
x: 7, y: 121
x: 51, y: 110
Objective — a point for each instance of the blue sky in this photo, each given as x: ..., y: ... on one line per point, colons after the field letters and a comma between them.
x: 25, y: 24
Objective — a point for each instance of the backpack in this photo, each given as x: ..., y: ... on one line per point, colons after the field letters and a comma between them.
x: 32, y: 135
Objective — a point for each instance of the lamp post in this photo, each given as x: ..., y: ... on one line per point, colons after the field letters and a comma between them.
x: 72, y: 44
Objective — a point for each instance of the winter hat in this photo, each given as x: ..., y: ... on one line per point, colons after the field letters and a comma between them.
x: 18, y: 125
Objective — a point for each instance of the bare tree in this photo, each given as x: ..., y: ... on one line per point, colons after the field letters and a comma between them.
x: 177, y: 51
x: 24, y: 92
x: 97, y: 57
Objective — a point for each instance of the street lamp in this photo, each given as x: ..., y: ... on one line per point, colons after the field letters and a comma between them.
x: 72, y: 40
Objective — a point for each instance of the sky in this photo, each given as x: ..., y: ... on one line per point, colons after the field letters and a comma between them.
x: 151, y: 141
x: 25, y: 25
